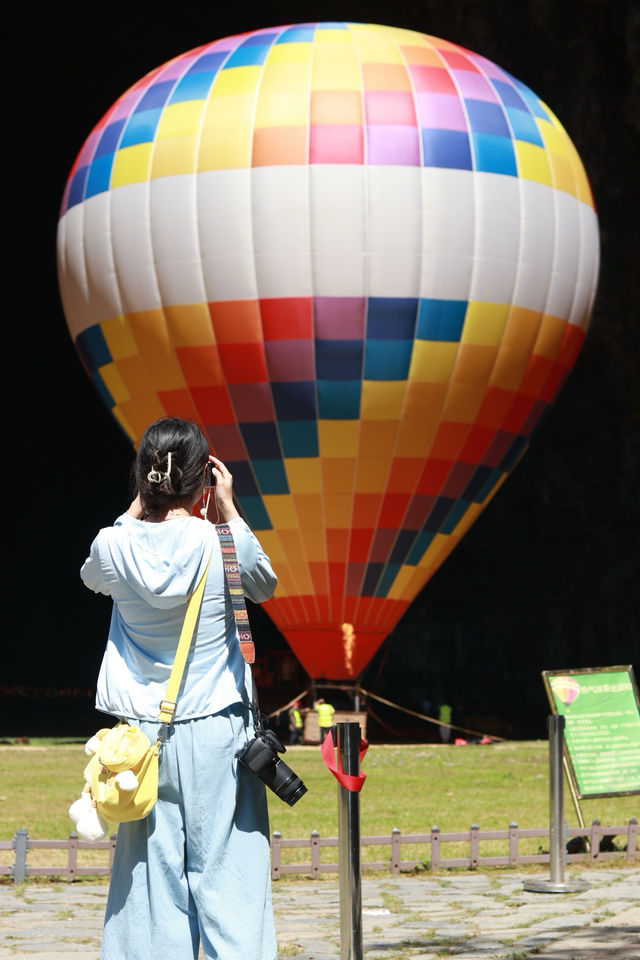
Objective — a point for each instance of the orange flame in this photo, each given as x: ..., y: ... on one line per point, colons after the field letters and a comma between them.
x: 349, y: 643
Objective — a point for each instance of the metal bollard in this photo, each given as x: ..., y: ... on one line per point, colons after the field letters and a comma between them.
x: 557, y: 827
x: 348, y: 743
x: 20, y: 845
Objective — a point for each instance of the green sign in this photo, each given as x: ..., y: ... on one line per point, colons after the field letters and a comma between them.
x: 602, y: 728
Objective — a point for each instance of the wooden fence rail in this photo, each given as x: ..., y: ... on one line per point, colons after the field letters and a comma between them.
x: 473, y: 837
x: 432, y: 859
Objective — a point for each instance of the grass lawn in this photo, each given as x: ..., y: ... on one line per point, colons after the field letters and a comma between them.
x: 411, y: 787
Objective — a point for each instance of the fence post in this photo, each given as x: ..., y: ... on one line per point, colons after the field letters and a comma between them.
x: 348, y: 743
x: 112, y: 851
x: 275, y: 854
x: 435, y: 848
x: 20, y: 845
x: 632, y: 836
x: 72, y: 856
x: 557, y: 826
x: 315, y: 854
x: 395, y: 850
x: 513, y: 844
x: 594, y: 841
x: 474, y: 846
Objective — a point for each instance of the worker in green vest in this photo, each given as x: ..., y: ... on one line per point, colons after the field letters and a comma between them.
x: 444, y: 715
x: 295, y: 724
x: 325, y: 717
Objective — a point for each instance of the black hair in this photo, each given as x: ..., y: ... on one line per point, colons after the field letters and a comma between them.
x: 189, y: 453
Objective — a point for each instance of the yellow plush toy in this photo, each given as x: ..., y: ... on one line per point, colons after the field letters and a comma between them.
x: 120, y: 757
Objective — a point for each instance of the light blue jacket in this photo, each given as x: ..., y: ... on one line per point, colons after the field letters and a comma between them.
x: 149, y: 570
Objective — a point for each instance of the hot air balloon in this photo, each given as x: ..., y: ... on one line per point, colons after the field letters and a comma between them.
x: 566, y: 689
x: 363, y: 259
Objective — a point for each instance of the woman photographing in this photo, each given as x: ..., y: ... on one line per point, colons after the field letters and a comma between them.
x: 195, y: 872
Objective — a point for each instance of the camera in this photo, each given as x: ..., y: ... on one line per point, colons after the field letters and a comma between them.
x: 260, y: 756
x: 209, y: 476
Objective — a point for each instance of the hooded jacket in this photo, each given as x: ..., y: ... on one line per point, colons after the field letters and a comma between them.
x: 149, y: 570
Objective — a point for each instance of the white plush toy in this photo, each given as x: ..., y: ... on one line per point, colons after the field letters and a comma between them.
x: 89, y: 824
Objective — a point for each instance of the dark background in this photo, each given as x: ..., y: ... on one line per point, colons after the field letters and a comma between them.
x: 548, y: 577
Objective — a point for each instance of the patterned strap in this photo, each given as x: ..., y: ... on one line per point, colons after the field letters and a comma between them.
x: 232, y: 573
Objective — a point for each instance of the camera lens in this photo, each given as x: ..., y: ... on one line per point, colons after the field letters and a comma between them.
x: 285, y: 783
x: 261, y: 758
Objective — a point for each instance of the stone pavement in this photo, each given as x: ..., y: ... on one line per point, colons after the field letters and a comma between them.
x: 466, y: 916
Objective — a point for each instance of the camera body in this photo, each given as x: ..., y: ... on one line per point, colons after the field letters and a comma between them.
x: 209, y: 476
x: 260, y: 756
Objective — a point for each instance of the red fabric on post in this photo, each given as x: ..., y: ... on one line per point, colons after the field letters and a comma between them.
x: 332, y: 761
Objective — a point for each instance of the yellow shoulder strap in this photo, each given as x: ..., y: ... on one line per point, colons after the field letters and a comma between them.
x: 168, y: 705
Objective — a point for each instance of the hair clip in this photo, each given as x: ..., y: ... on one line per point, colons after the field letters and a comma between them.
x: 157, y: 476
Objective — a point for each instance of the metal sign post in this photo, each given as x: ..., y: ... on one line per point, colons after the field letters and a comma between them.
x: 557, y: 849
x: 348, y: 743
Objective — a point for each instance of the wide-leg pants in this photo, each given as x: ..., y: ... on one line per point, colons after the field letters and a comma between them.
x: 197, y: 869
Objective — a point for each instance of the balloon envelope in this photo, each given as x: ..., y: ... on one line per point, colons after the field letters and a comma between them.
x: 566, y: 689
x: 364, y: 260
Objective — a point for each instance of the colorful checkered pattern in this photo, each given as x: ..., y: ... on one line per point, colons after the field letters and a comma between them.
x: 364, y: 260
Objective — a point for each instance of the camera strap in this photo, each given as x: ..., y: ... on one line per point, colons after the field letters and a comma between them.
x: 232, y: 573
x: 245, y: 639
